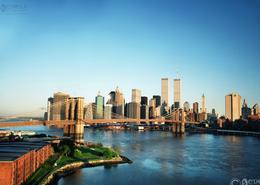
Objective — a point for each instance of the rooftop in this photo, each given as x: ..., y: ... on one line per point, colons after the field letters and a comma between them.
x: 10, y: 151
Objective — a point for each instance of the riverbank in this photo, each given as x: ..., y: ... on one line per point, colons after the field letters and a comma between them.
x: 68, y: 157
x: 69, y: 169
x: 222, y: 132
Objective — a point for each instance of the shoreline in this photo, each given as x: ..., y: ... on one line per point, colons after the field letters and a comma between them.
x: 71, y: 168
x: 223, y: 132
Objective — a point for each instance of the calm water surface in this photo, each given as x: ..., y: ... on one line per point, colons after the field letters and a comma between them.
x: 160, y: 158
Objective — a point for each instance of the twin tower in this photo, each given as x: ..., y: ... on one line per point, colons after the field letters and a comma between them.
x: 176, y: 95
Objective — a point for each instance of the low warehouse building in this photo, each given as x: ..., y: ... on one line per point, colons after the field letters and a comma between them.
x: 19, y: 160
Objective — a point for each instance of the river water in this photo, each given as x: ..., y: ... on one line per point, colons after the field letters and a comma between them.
x: 160, y: 158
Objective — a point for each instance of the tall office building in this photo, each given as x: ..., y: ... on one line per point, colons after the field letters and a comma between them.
x: 233, y: 106
x: 119, y: 102
x: 196, y: 111
x: 214, y: 112
x: 144, y: 100
x: 186, y: 106
x: 203, y: 104
x: 152, y: 103
x: 136, y: 95
x: 112, y: 97
x: 165, y: 95
x: 49, y: 109
x: 152, y: 106
x: 246, y: 111
x: 59, y: 106
x: 164, y: 110
x: 177, y: 93
x: 99, y: 113
x: 157, y: 99
x: 144, y: 114
x: 133, y: 110
x: 112, y: 100
x: 196, y: 107
x: 108, y: 111
x: 88, y: 111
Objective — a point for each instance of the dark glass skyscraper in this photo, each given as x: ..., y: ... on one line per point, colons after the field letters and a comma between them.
x: 144, y: 100
x: 157, y: 100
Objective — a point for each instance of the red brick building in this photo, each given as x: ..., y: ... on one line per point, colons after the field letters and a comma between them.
x: 19, y: 160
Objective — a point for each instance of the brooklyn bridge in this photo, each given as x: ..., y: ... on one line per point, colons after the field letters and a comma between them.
x: 74, y: 119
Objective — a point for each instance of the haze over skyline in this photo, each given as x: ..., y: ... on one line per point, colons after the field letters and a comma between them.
x: 82, y: 47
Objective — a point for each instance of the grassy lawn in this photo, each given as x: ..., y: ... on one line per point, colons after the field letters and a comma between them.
x: 68, y: 153
x: 94, y: 153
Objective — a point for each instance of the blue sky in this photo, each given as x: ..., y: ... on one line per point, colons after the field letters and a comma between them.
x: 82, y: 47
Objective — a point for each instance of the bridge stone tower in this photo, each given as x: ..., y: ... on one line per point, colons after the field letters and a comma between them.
x: 178, y: 126
x: 75, y: 112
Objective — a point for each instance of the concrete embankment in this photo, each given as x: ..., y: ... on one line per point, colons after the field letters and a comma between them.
x: 71, y: 168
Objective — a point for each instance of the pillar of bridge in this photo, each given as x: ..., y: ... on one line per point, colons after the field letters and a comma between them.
x: 177, y: 122
x: 175, y: 125
x: 68, y: 130
x: 75, y: 112
x: 182, y: 124
x: 174, y: 129
x: 79, y: 132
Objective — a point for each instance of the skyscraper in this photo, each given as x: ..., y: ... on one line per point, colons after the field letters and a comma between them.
x: 165, y: 96
x: 203, y: 114
x: 246, y: 111
x: 144, y: 100
x: 59, y: 106
x: 88, y: 111
x: 203, y: 104
x: 196, y: 107
x: 233, y: 106
x: 177, y: 93
x: 50, y: 109
x: 136, y: 95
x: 196, y: 111
x: 112, y: 97
x: 99, y: 113
x: 186, y: 106
x: 157, y: 99
x: 108, y: 111
x: 133, y: 110
x: 144, y: 112
x: 152, y: 106
x: 119, y: 103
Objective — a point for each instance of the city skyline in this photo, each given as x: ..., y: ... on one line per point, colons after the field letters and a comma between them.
x: 136, y: 95
x: 130, y: 45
